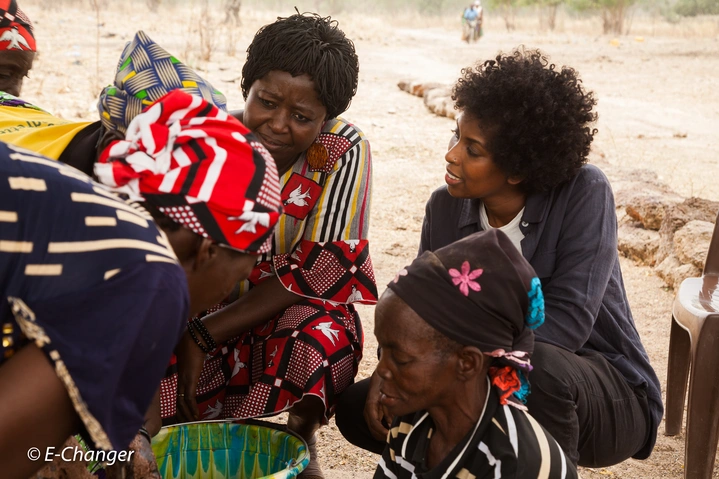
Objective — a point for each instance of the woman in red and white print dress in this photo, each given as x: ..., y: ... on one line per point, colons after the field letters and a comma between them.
x: 289, y: 339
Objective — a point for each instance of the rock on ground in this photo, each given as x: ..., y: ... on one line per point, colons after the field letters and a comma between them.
x: 678, y: 215
x: 691, y: 242
x: 638, y: 244
x: 673, y: 272
x: 644, y: 197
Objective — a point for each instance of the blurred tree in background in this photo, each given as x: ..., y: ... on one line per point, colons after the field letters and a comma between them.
x: 613, y: 12
x: 507, y: 9
x: 692, y: 8
x: 430, y: 7
x: 547, y: 10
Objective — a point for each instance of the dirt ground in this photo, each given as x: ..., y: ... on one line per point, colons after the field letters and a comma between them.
x: 658, y: 109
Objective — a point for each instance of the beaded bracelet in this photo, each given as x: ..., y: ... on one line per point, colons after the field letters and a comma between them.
x: 204, y: 348
x: 209, y: 340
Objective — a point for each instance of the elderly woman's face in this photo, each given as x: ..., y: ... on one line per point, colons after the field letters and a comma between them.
x: 471, y: 171
x: 285, y: 114
x: 415, y: 375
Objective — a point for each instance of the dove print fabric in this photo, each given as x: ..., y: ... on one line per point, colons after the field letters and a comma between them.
x: 15, y: 28
x: 320, y: 252
x: 201, y: 168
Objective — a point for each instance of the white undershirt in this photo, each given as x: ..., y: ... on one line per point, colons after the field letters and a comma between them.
x: 511, y: 229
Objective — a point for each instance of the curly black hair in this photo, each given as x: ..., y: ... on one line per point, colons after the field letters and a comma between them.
x: 538, y: 116
x: 306, y: 44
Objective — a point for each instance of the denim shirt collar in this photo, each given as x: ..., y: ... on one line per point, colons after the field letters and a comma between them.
x: 536, y: 209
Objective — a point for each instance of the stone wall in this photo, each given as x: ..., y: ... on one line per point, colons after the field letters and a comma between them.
x: 437, y: 96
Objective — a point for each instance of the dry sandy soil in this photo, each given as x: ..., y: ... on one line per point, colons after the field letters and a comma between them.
x: 658, y: 109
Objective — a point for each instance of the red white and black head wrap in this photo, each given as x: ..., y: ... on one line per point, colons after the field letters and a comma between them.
x: 15, y: 28
x: 200, y: 167
x: 480, y: 291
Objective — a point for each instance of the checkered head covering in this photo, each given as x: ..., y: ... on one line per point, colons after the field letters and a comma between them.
x: 145, y: 73
x: 200, y: 167
x: 480, y: 291
x: 15, y: 28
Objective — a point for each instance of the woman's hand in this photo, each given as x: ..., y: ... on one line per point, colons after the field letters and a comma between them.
x: 190, y: 359
x: 142, y: 462
x: 374, y: 413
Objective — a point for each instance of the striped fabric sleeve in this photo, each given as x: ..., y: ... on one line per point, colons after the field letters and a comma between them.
x: 538, y: 454
x: 342, y: 211
x: 332, y: 260
x: 386, y: 466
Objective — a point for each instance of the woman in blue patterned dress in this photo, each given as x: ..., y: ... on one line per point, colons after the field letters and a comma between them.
x: 93, y: 295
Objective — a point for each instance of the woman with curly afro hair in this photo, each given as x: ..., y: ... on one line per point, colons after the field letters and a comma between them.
x: 518, y: 163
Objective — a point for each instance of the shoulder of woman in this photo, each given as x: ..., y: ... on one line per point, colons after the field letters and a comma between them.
x: 340, y: 137
x: 591, y: 173
x: 588, y: 176
x: 341, y: 127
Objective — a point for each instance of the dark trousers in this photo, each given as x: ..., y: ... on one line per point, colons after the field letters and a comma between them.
x: 583, y: 401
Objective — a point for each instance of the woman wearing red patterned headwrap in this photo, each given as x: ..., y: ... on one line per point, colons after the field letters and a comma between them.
x: 292, y: 340
x: 17, y: 47
x: 93, y: 296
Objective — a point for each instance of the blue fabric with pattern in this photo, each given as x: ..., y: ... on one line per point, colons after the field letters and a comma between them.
x: 91, y: 281
x: 145, y: 73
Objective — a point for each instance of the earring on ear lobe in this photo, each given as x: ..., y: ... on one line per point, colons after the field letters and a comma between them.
x: 317, y: 155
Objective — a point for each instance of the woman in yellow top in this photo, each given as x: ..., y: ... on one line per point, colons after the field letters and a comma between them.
x: 137, y: 84
x: 30, y: 127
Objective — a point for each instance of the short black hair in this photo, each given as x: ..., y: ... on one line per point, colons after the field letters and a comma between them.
x: 306, y: 44
x: 538, y: 116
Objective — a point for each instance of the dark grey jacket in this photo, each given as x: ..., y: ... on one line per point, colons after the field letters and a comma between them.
x: 570, y: 238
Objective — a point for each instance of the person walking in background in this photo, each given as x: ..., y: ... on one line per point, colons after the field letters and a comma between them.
x: 472, y: 22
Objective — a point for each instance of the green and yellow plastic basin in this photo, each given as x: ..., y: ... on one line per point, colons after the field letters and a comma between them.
x: 228, y: 450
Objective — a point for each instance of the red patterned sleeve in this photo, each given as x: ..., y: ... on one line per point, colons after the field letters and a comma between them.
x: 340, y: 271
x: 332, y: 261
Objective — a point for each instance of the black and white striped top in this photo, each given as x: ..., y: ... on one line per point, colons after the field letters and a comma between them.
x: 505, y: 442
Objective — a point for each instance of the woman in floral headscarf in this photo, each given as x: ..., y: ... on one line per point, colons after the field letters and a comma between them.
x: 455, y: 328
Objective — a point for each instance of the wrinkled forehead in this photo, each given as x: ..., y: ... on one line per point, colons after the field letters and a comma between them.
x: 396, y: 323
